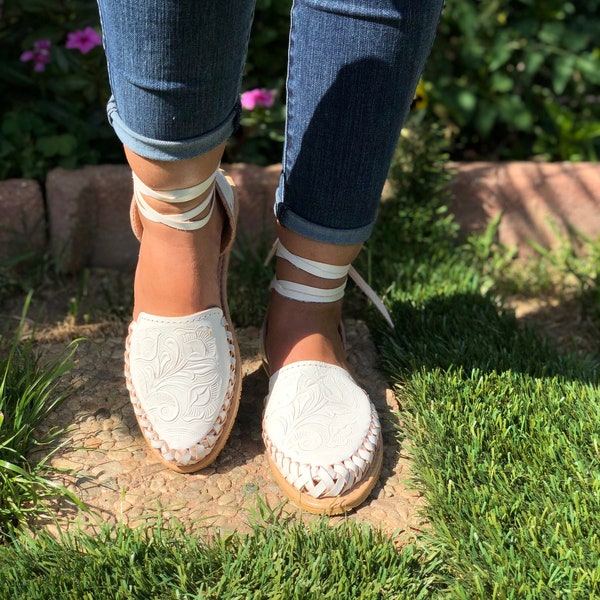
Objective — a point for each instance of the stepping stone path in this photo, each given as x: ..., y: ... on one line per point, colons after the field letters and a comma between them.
x: 121, y: 481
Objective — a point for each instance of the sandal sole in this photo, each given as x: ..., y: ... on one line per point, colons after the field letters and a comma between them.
x: 339, y: 504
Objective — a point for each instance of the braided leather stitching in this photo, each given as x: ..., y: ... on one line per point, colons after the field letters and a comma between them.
x: 329, y: 480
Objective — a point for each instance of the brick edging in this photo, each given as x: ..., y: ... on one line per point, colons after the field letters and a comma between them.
x: 87, y: 209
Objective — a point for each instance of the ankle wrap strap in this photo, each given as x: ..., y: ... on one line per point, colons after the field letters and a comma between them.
x: 308, y: 293
x: 185, y: 220
x: 313, y: 267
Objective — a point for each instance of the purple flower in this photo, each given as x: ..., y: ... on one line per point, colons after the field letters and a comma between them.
x: 257, y: 97
x: 83, y: 40
x: 40, y: 55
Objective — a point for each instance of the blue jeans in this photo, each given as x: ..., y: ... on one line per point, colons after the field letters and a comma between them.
x: 175, y: 69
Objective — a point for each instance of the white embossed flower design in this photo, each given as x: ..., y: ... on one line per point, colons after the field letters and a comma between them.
x: 176, y: 376
x: 319, y: 418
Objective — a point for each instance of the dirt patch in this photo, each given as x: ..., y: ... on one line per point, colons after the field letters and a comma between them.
x: 563, y: 319
x: 120, y: 480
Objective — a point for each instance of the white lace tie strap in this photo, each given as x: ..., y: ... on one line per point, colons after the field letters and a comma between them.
x: 184, y: 221
x: 319, y: 269
x: 369, y: 292
x: 308, y: 293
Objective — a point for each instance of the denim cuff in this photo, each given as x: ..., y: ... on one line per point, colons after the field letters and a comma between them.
x: 172, y: 150
x: 341, y: 237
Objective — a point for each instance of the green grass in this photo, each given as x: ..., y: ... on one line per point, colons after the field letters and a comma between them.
x: 30, y: 388
x: 280, y: 560
x: 504, y: 425
x: 248, y: 281
x: 510, y: 465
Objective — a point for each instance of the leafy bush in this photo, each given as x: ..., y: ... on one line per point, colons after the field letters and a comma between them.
x: 259, y: 139
x: 266, y: 64
x: 509, y: 79
x: 515, y: 79
x: 55, y: 112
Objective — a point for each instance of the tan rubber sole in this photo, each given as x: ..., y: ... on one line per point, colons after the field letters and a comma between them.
x: 332, y: 506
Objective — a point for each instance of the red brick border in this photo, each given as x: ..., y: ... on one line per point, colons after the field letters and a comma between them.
x: 87, y: 209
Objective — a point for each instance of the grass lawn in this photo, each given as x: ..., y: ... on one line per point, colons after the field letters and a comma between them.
x: 505, y: 427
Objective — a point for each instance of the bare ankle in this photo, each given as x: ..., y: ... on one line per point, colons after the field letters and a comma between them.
x: 177, y: 271
x: 303, y: 331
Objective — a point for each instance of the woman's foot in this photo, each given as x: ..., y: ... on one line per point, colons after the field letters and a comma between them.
x: 321, y: 431
x: 177, y: 270
x: 181, y: 360
x: 296, y: 330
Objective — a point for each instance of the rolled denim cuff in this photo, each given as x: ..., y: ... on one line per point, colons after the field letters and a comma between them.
x: 172, y: 150
x: 341, y: 237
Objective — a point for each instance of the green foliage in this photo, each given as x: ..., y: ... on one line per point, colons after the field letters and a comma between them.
x: 29, y: 390
x: 249, y: 280
x: 259, y: 140
x: 268, y: 49
x: 516, y: 79
x: 577, y: 257
x: 509, y: 462
x: 415, y: 237
x: 281, y: 561
x: 55, y: 117
x: 417, y: 217
x: 509, y: 80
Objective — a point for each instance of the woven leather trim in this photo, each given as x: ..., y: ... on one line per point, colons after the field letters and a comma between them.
x: 196, y: 453
x: 326, y: 481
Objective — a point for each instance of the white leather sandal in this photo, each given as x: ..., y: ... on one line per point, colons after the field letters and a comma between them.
x: 321, y: 431
x: 183, y: 373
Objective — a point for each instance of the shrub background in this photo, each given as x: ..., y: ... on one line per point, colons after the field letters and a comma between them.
x: 507, y: 79
x: 518, y: 78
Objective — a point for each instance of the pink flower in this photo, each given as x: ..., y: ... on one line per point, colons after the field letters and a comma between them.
x: 257, y: 97
x: 83, y: 40
x: 40, y: 55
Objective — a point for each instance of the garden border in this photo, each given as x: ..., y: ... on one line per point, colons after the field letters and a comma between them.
x: 80, y: 217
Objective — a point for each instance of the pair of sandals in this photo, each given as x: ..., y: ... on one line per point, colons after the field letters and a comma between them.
x: 321, y: 431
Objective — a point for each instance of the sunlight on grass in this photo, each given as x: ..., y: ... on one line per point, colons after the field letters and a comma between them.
x: 502, y: 423
x: 30, y: 388
x: 277, y: 560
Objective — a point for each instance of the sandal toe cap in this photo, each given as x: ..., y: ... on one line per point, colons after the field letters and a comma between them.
x: 181, y: 375
x: 320, y: 428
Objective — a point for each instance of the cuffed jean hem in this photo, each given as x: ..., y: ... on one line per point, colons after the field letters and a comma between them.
x: 340, y: 237
x: 172, y: 150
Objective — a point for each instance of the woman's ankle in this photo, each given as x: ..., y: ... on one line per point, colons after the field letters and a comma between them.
x: 298, y: 331
x: 177, y: 271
